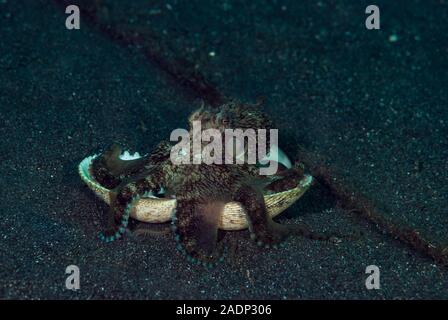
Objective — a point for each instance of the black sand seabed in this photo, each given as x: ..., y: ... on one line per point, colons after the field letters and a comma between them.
x: 374, y: 107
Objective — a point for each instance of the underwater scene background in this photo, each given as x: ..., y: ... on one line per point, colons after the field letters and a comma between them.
x: 370, y: 105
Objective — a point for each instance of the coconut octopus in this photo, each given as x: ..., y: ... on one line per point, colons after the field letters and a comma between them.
x: 201, y: 190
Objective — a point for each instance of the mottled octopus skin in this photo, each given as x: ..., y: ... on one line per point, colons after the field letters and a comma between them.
x: 201, y: 190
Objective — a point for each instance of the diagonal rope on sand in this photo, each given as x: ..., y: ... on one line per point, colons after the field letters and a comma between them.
x: 149, y: 43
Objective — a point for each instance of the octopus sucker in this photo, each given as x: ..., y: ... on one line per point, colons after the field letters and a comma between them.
x: 199, y: 198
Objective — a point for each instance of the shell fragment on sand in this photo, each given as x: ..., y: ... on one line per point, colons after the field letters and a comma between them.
x: 158, y: 210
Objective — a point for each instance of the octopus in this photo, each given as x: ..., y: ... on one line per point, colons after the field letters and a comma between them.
x: 201, y: 190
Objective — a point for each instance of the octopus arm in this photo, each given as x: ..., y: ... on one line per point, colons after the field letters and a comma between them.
x: 195, y: 223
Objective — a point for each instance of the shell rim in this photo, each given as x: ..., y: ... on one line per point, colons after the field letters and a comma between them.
x: 84, y: 172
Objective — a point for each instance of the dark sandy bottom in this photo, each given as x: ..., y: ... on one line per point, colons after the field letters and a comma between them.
x: 376, y: 109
